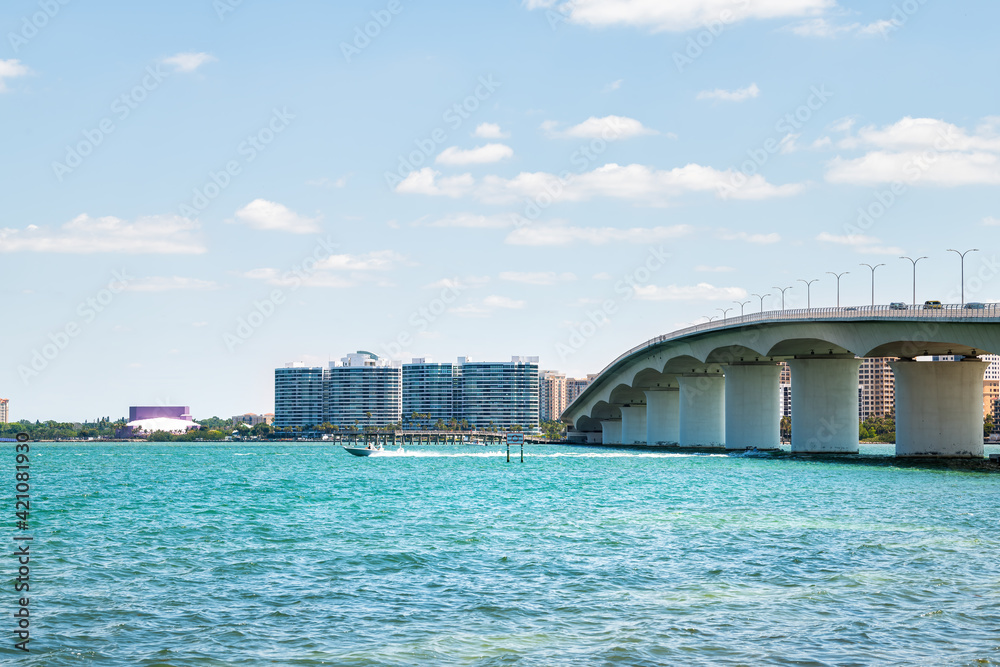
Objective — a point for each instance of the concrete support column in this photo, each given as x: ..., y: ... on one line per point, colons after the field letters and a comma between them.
x: 663, y: 423
x: 633, y: 424
x: 825, y: 405
x: 752, y: 407
x: 594, y: 438
x: 939, y: 408
x: 702, y: 410
x: 611, y: 430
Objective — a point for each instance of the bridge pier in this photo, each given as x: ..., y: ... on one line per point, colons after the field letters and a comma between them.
x: 939, y: 408
x: 663, y: 416
x: 594, y: 438
x: 633, y: 424
x: 611, y: 431
x: 702, y: 410
x: 752, y: 410
x: 825, y: 405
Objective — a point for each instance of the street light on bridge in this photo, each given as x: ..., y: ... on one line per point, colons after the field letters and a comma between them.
x: 808, y: 290
x: 782, y: 294
x: 761, y: 297
x: 843, y: 273
x: 962, y: 255
x: 710, y: 318
x: 725, y: 313
x: 741, y: 304
x: 914, y: 276
x: 873, y: 278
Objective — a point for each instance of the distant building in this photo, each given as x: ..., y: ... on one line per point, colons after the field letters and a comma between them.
x: 430, y: 391
x: 784, y: 399
x: 4, y: 414
x: 145, y: 419
x: 298, y: 395
x: 878, y: 387
x: 363, y: 389
x: 991, y: 394
x: 251, y: 419
x: 551, y: 395
x: 993, y: 370
x: 575, y: 387
x: 499, y: 394
x: 485, y: 394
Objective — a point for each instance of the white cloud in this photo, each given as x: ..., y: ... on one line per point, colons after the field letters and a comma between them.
x: 474, y: 221
x: 271, y: 216
x: 614, y: 85
x: 188, y: 62
x: 990, y: 221
x: 487, y: 306
x: 920, y: 150
x: 10, y: 69
x: 156, y: 234
x: 557, y: 235
x: 335, y: 271
x: 699, y: 292
x: 633, y: 182
x: 426, y: 182
x: 762, y: 239
x: 676, y: 15
x: 328, y: 183
x: 866, y: 245
x: 609, y: 128
x: 280, y: 278
x: 468, y: 282
x: 171, y: 283
x: 380, y: 260
x: 603, y: 275
x: 486, y: 154
x: 495, y: 301
x: 738, y: 95
x: 702, y: 268
x: 537, y: 277
x: 490, y: 131
x: 820, y: 27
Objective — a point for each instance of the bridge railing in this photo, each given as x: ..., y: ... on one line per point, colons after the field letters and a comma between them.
x: 952, y: 312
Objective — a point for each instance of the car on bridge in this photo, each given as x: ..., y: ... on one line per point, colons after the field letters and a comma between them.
x: 975, y: 305
x: 932, y: 305
x: 898, y: 305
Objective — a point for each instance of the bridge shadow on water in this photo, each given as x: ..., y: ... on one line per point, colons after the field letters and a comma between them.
x: 863, y: 459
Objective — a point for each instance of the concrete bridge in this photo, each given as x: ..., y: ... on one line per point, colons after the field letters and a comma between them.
x: 716, y: 384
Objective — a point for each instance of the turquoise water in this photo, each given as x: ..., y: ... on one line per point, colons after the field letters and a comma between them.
x: 247, y: 554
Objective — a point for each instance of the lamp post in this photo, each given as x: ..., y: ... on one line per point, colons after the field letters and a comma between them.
x: 873, y: 278
x: 710, y: 318
x: 914, y: 276
x: 725, y: 313
x: 741, y: 304
x: 808, y: 290
x: 761, y: 297
x: 962, y: 255
x: 843, y: 273
x: 782, y: 294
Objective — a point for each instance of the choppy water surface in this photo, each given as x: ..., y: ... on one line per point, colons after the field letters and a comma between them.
x: 304, y: 555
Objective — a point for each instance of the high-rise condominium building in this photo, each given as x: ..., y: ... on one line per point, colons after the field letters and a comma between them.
x: 363, y: 389
x: 4, y: 416
x: 575, y: 387
x: 551, y: 395
x: 298, y: 395
x: 429, y: 393
x: 878, y: 387
x: 499, y: 394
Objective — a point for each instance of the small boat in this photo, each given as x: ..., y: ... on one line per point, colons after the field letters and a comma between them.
x: 362, y: 451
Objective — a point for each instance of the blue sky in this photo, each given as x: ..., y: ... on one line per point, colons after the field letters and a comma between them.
x: 196, y: 192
